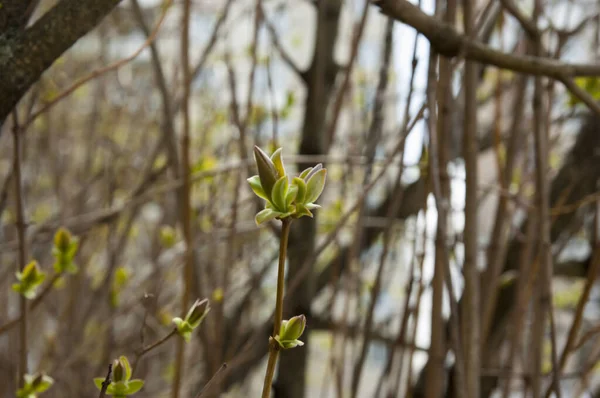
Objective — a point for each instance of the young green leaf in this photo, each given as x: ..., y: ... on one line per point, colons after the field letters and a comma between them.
x: 266, y: 170
x: 279, y: 193
x: 315, y: 185
x: 302, y: 210
x: 291, y: 196
x: 98, y: 382
x: 305, y: 173
x: 278, y: 162
x: 313, y: 171
x: 266, y: 215
x: 134, y: 386
x: 257, y: 188
x: 301, y: 195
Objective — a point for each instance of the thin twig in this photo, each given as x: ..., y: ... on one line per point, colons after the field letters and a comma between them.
x: 100, y: 71
x: 21, y: 225
x: 144, y: 350
x: 34, y: 304
x: 471, y: 312
x: 206, y: 388
x: 446, y: 40
x: 372, y: 141
x: 185, y: 196
x: 106, y: 382
x: 282, y: 52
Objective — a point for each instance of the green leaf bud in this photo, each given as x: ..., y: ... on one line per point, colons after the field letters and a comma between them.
x: 266, y: 170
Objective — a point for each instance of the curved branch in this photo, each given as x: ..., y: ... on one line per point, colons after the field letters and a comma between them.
x: 24, y: 57
x: 450, y: 43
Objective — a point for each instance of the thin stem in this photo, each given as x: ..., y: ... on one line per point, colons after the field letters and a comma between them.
x: 148, y: 348
x: 186, y: 212
x: 285, y: 232
x: 106, y: 382
x: 273, y: 355
x: 22, y: 247
x: 471, y: 307
x: 212, y: 379
x: 10, y: 324
x: 273, y: 346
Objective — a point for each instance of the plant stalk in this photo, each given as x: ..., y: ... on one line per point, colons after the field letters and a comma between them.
x: 273, y: 346
x: 185, y: 196
x: 22, y: 368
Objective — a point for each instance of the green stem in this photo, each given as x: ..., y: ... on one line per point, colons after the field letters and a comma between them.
x: 273, y: 346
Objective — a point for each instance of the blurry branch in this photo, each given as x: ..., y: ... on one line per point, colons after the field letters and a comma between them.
x: 341, y: 94
x: 496, y: 251
x: 571, y: 345
x: 355, y: 331
x: 542, y: 297
x: 212, y: 41
x: 448, y: 42
x: 471, y: 310
x: 26, y: 55
x: 101, y: 71
x: 185, y: 194
x: 209, y: 384
x: 282, y: 51
x: 532, y: 31
x: 167, y: 122
x: 34, y: 304
x: 4, y: 191
x: 21, y: 225
x: 373, y: 138
x: 273, y: 103
x: 406, y: 311
x: 144, y: 350
x: 197, y: 70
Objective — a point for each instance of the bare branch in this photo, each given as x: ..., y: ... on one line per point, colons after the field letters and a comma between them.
x: 27, y: 55
x: 450, y: 43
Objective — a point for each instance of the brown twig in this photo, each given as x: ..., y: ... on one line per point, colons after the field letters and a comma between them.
x: 185, y: 196
x: 543, y: 302
x: 372, y: 140
x: 106, y: 382
x: 208, y: 385
x: 10, y: 324
x: 101, y: 71
x: 144, y: 350
x: 339, y: 99
x: 21, y: 225
x: 448, y: 42
x: 471, y: 314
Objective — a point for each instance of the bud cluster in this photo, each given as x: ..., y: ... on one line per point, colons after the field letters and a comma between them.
x: 121, y: 385
x: 29, y: 280
x: 64, y: 250
x: 193, y: 319
x: 290, y: 332
x: 282, y: 198
x: 34, y: 385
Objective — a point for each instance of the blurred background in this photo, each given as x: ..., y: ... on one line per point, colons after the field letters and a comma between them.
x: 109, y: 132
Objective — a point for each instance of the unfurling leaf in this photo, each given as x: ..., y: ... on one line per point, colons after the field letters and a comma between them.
x: 266, y: 170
